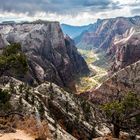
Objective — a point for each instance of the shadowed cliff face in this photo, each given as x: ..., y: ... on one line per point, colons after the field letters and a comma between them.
x: 50, y: 55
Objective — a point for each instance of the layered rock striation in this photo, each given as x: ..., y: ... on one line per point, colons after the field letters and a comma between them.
x: 68, y: 116
x: 101, y: 34
x: 125, y: 49
x: 51, y: 56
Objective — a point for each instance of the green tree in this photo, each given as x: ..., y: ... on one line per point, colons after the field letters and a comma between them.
x: 41, y: 110
x: 13, y: 61
x: 4, y: 100
x: 123, y: 114
x: 4, y: 96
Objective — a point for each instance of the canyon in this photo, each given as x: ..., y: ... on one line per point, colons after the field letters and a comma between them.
x: 68, y: 80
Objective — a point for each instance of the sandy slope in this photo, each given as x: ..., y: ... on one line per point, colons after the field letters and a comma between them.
x: 20, y: 135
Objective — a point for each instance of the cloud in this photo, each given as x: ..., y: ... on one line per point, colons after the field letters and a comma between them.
x: 135, y: 7
x: 58, y: 6
x: 135, y: 11
x: 66, y: 11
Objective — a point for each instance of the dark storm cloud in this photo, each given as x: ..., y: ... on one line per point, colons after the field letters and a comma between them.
x: 97, y: 2
x: 135, y: 11
x: 135, y: 8
x: 56, y: 6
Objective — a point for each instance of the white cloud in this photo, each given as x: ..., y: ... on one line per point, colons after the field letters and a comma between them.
x: 79, y: 19
x: 84, y: 16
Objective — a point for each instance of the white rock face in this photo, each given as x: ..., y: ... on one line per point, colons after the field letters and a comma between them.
x: 50, y: 55
x: 125, y: 49
x: 125, y: 37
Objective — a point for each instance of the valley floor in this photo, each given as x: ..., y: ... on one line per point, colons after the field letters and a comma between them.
x: 97, y: 63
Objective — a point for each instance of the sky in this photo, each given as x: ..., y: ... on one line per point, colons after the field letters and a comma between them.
x: 73, y: 12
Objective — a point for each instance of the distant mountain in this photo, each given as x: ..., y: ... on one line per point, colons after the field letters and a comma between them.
x: 74, y: 31
x: 118, y: 37
x: 102, y: 33
x: 8, y: 22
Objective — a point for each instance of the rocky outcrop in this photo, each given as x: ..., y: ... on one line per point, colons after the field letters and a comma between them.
x: 50, y: 55
x: 125, y: 49
x: 125, y: 81
x: 69, y: 117
x: 2, y: 44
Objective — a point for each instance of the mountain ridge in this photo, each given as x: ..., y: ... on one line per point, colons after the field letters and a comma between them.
x: 74, y: 31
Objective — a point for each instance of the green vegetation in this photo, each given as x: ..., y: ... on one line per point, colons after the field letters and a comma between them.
x: 103, y: 61
x: 98, y: 70
x: 13, y: 61
x: 4, y: 100
x: 84, y: 46
x: 123, y: 114
x: 4, y: 96
x: 88, y: 55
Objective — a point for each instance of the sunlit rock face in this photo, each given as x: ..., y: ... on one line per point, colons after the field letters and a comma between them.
x: 50, y: 55
x: 101, y: 34
x: 125, y: 49
x: 118, y: 37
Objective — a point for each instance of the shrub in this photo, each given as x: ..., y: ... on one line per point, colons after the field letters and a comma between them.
x: 12, y: 59
x: 123, y: 114
x: 4, y: 96
x: 29, y: 124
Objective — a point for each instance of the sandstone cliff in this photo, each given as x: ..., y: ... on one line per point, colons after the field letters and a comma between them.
x: 102, y: 33
x: 125, y: 49
x: 50, y: 55
x: 118, y: 37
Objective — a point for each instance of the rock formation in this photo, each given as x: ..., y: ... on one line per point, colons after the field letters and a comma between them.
x: 50, y: 55
x: 1, y: 42
x: 125, y: 49
x: 101, y: 34
x: 68, y: 116
x: 53, y: 57
x: 118, y: 37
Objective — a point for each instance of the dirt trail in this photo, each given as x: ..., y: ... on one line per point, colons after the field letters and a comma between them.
x: 19, y: 135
